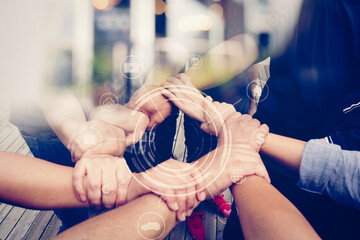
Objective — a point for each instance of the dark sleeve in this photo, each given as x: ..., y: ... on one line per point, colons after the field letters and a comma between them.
x: 348, y: 140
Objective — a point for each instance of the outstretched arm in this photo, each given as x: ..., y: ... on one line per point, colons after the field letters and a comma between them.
x: 127, y: 222
x: 264, y: 213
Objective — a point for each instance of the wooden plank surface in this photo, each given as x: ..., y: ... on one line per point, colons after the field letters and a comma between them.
x: 38, y: 226
x: 19, y: 223
x: 23, y: 224
x: 51, y: 229
x: 10, y: 221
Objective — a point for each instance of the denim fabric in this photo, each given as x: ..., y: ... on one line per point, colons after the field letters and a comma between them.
x: 327, y: 168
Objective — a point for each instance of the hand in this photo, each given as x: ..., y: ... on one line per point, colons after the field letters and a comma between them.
x: 215, y: 115
x: 185, y: 96
x: 102, y: 180
x: 244, y: 151
x: 150, y: 101
x: 246, y: 130
x: 96, y: 138
x: 134, y: 123
x: 177, y: 183
x: 231, y: 165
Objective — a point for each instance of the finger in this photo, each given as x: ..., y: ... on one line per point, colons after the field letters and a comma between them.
x: 108, y: 188
x: 245, y: 117
x: 185, y: 79
x: 190, y: 199
x: 170, y: 200
x: 124, y: 177
x: 265, y: 128
x: 78, y: 181
x: 94, y: 181
x: 175, y: 81
x: 181, y: 200
x: 200, y: 184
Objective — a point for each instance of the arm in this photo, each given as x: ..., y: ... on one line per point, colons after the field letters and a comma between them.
x: 125, y: 222
x: 287, y: 151
x: 264, y: 213
x: 64, y: 114
x: 34, y: 183
x: 327, y: 168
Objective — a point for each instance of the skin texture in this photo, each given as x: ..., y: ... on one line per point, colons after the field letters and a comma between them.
x: 102, y: 180
x: 149, y: 100
x: 180, y: 91
x: 107, y: 140
x: 134, y: 123
x: 265, y: 213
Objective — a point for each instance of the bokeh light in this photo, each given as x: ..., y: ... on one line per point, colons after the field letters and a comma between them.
x: 199, y: 22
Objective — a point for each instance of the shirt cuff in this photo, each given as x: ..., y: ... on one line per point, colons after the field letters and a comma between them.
x: 318, y: 165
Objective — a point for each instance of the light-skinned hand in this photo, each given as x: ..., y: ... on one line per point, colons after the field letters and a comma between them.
x: 134, y: 123
x: 149, y: 100
x: 185, y: 96
x: 179, y: 184
x: 102, y: 180
x: 96, y: 138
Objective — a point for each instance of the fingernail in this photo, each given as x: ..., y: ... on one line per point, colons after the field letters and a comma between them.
x: 183, y: 217
x: 83, y: 198
x: 188, y: 213
x: 176, y: 206
x: 202, y: 196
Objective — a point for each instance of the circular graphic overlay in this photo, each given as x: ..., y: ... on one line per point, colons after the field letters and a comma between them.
x: 108, y: 101
x: 150, y: 224
x: 238, y: 176
x: 257, y: 91
x: 195, y: 61
x: 90, y: 139
x: 259, y: 139
x: 107, y: 191
x: 131, y: 67
x: 147, y: 153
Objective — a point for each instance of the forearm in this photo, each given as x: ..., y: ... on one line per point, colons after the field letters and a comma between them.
x: 266, y: 214
x: 125, y: 222
x: 287, y: 151
x: 35, y: 183
x: 64, y: 115
x: 225, y: 61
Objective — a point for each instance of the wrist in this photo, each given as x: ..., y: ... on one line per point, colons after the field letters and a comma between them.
x: 135, y: 189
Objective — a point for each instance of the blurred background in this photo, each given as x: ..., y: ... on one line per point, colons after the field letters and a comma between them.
x: 90, y: 45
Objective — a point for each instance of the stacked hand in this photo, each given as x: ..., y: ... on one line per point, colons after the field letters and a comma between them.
x: 96, y: 138
x: 102, y: 180
x: 185, y: 96
x: 179, y: 185
x: 134, y: 123
x: 149, y: 100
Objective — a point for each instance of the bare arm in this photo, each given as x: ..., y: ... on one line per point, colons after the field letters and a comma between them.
x: 126, y: 222
x: 64, y: 114
x: 287, y: 151
x: 266, y: 214
x: 219, y: 65
x: 35, y: 183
